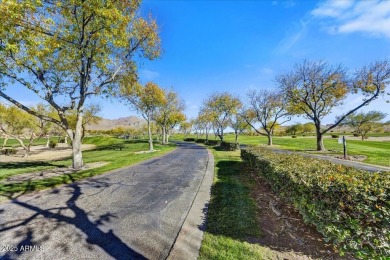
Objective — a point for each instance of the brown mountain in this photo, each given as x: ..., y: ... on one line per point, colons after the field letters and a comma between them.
x: 107, y: 124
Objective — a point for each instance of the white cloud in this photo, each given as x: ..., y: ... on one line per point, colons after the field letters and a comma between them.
x: 148, y: 74
x: 291, y: 39
x: 370, y: 17
x: 332, y: 8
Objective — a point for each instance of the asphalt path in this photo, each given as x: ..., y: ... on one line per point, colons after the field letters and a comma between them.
x: 131, y: 213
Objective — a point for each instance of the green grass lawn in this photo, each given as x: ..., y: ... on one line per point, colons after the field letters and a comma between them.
x: 15, y: 143
x: 232, y: 213
x: 377, y: 152
x: 102, y: 153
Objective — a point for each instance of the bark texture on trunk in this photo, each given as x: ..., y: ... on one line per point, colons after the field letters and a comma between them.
x: 164, y: 138
x: 320, y: 142
x: 150, y: 135
x: 269, y: 136
x: 76, y: 143
x: 5, y: 142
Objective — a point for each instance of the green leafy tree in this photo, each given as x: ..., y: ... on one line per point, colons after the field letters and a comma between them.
x: 167, y: 113
x: 266, y: 107
x: 205, y: 119
x: 220, y: 107
x: 19, y: 125
x: 238, y: 123
x: 294, y: 129
x: 309, y: 127
x: 67, y: 51
x: 185, y: 127
x: 146, y: 100
x: 173, y: 121
x: 313, y: 89
x: 363, y: 123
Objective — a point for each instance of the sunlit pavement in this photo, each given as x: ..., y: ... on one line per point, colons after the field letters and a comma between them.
x: 132, y: 213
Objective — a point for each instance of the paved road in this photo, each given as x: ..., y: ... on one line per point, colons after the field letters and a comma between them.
x: 132, y: 213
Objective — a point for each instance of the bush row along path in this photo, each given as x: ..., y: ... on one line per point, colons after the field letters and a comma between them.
x: 131, y: 213
x: 357, y: 165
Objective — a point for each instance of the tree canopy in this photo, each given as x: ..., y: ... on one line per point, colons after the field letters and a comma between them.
x: 314, y: 88
x: 66, y: 51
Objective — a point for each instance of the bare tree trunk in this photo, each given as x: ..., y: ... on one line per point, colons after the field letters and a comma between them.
x: 76, y: 142
x: 48, y: 141
x: 150, y: 134
x: 27, y: 152
x: 236, y: 132
x: 66, y: 140
x: 164, y: 135
x: 320, y: 136
x: 167, y: 137
x: 269, y: 136
x: 320, y: 142
x: 5, y: 142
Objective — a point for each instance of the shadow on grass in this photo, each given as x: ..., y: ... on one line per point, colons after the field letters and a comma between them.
x: 231, y: 211
x: 30, y: 230
x: 18, y: 165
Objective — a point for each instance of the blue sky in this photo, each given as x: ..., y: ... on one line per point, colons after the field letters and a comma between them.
x: 236, y: 46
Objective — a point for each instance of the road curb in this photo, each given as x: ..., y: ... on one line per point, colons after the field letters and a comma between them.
x: 189, y: 239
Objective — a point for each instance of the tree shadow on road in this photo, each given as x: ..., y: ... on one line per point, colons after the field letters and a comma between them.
x: 38, y: 227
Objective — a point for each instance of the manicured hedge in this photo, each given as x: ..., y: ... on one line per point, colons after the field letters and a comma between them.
x: 189, y: 139
x: 202, y: 141
x: 349, y: 207
x: 230, y: 146
x: 213, y: 142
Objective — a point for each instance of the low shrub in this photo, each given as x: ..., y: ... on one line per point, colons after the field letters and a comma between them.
x: 189, y: 139
x: 351, y: 208
x: 356, y: 135
x: 294, y: 136
x: 230, y: 146
x: 335, y: 136
x: 213, y: 142
x: 61, y: 140
x: 8, y: 151
x: 201, y: 141
x: 52, y: 144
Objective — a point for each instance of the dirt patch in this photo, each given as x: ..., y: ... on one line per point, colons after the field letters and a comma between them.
x: 356, y: 158
x: 42, y: 153
x: 284, y: 230
x: 141, y: 152
x: 39, y: 175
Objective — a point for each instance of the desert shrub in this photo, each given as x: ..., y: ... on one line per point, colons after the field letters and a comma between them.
x: 349, y: 207
x: 335, y: 136
x: 202, y: 141
x: 52, y: 144
x: 230, y: 146
x: 294, y: 136
x: 189, y: 139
